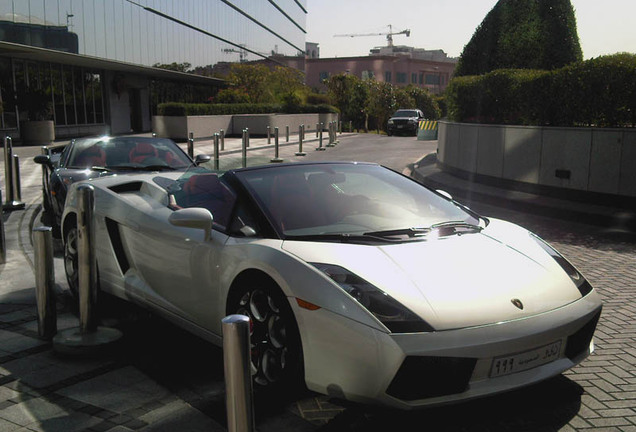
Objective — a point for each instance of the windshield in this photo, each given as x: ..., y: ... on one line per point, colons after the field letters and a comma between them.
x: 327, y: 199
x: 405, y: 113
x: 127, y: 153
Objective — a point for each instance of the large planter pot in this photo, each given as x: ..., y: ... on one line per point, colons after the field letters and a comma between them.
x: 37, y: 132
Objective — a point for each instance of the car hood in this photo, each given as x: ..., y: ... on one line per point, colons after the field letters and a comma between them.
x: 456, y: 281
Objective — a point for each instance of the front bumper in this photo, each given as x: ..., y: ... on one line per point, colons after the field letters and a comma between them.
x: 402, y: 127
x: 349, y: 360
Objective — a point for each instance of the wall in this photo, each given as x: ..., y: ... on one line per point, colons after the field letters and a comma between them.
x: 178, y: 128
x: 582, y: 159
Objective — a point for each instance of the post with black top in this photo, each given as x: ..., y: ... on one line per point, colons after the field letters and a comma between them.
x: 216, y: 151
x: 300, y: 141
x: 244, y: 149
x: 277, y: 158
x: 320, y: 147
x: 269, y: 135
x: 222, y: 135
x: 88, y: 338
x: 45, y: 282
x: 9, y: 177
x: 317, y: 129
x: 287, y: 133
x: 350, y: 126
x: 191, y: 145
x: 247, y: 137
x: 238, y: 373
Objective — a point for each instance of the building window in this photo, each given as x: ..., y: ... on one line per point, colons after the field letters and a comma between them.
x: 387, y: 76
x: 432, y: 79
x: 323, y: 76
x: 413, y: 78
x: 400, y: 77
x: 421, y: 78
x: 368, y: 74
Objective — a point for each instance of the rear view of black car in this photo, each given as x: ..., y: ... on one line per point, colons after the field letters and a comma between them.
x: 404, y: 121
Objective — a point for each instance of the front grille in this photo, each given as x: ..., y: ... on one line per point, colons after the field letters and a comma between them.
x: 426, y: 377
x: 579, y: 342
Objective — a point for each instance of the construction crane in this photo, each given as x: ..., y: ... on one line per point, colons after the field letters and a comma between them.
x: 389, y: 35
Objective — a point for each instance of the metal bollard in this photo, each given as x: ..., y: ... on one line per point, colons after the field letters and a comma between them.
x: 244, y: 149
x: 16, y: 178
x: 216, y: 151
x: 3, y: 245
x: 9, y: 177
x: 320, y: 147
x: 286, y: 133
x: 269, y: 135
x: 317, y: 128
x: 45, y: 282
x: 300, y: 142
x: 238, y: 373
x: 154, y: 135
x: 276, y: 153
x: 222, y: 134
x: 86, y: 263
x: 350, y: 126
x: 191, y: 146
x: 247, y: 139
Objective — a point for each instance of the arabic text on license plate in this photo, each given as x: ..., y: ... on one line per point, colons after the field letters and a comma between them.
x: 526, y: 360
x: 400, y: 126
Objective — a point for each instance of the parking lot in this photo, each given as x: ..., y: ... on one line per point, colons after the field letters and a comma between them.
x: 178, y: 379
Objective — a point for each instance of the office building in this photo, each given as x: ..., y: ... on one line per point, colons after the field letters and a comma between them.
x: 95, y: 62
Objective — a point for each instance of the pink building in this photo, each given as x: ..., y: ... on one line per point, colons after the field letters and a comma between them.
x: 399, y: 70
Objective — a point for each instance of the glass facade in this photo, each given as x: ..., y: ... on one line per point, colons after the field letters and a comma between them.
x: 187, y: 33
x: 147, y: 32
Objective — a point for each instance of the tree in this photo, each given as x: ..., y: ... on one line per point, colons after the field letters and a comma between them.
x: 349, y: 94
x: 423, y: 100
x: 523, y: 34
x: 382, y: 101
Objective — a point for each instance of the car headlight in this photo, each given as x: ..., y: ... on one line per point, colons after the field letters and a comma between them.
x: 396, y: 317
x: 390, y: 122
x: 581, y: 283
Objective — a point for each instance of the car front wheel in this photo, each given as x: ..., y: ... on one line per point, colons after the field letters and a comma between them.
x: 276, y: 351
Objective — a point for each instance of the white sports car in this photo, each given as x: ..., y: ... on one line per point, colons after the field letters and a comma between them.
x: 360, y: 282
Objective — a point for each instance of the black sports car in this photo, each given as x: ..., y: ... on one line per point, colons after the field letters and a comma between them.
x: 87, y: 158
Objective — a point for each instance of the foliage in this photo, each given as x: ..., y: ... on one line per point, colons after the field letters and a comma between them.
x: 184, y: 109
x: 600, y: 92
x: 264, y: 84
x: 317, y: 98
x: 522, y: 34
x: 382, y: 101
x: 423, y: 100
x: 232, y: 95
x: 177, y: 67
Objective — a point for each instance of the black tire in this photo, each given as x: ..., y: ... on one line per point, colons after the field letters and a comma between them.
x: 70, y: 260
x: 276, y: 347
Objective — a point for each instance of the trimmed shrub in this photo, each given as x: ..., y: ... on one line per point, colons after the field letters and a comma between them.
x: 599, y: 92
x: 176, y: 109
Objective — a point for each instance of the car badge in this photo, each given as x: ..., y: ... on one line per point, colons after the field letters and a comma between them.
x: 517, y: 303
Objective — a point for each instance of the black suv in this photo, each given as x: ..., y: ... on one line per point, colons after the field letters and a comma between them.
x: 404, y: 121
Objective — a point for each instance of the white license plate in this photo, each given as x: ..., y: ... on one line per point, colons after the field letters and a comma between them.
x: 526, y: 360
x: 400, y: 126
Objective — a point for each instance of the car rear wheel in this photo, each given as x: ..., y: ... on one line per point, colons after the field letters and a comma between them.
x: 71, y: 260
x: 276, y: 348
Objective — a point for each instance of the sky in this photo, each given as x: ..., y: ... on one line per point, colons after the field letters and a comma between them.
x: 604, y: 26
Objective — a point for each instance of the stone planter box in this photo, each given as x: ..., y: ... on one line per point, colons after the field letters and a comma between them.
x: 584, y: 159
x: 178, y: 128
x: 37, y: 132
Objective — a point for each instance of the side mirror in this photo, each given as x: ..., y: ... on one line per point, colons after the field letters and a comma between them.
x: 194, y: 217
x: 201, y: 159
x: 43, y: 160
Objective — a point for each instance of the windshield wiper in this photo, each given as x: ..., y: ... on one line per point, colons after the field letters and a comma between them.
x: 457, y: 226
x: 410, y: 232
x: 342, y: 238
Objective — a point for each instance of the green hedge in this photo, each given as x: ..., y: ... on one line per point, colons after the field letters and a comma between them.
x: 598, y: 92
x: 184, y: 109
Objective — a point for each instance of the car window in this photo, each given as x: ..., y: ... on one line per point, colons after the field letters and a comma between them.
x: 206, y: 190
x: 346, y: 199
